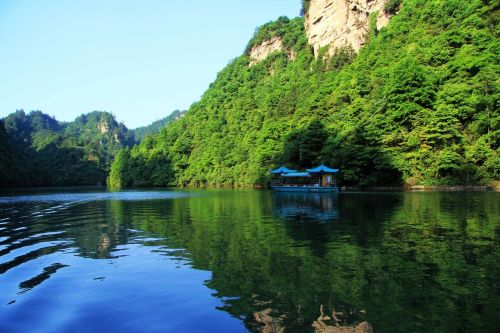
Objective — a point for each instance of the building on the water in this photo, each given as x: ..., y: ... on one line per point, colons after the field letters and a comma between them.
x: 319, y: 179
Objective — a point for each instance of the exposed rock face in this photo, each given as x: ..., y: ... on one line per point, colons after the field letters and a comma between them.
x: 261, y: 51
x: 103, y: 127
x: 339, y: 23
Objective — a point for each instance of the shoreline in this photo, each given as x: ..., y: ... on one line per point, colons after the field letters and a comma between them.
x: 415, y: 188
x: 423, y: 188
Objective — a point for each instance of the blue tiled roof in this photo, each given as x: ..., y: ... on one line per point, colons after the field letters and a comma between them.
x: 322, y: 169
x: 297, y: 174
x: 282, y: 170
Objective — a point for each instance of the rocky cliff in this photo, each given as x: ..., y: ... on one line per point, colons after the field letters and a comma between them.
x: 261, y: 51
x: 340, y: 23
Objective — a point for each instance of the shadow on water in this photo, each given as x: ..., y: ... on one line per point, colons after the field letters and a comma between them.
x: 390, y: 262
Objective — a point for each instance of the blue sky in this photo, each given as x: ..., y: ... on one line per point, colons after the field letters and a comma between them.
x: 140, y: 59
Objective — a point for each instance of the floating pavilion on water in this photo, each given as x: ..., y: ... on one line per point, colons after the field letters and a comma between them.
x: 319, y: 179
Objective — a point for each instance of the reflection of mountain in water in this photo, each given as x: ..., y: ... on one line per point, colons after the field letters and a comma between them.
x: 306, y: 206
x: 293, y: 261
x: 283, y: 256
x: 263, y: 322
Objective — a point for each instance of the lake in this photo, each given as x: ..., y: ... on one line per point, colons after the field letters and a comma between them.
x: 94, y: 260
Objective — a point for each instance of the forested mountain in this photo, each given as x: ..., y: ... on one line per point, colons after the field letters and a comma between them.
x: 12, y: 172
x: 417, y: 105
x: 156, y: 126
x: 37, y: 150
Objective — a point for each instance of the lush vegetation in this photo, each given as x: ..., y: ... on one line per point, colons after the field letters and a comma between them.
x: 392, y: 6
x: 37, y: 150
x: 279, y: 28
x: 417, y: 105
x: 156, y: 126
x: 11, y: 171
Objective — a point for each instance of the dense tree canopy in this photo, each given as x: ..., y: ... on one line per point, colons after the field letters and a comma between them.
x: 156, y: 126
x: 37, y: 150
x: 417, y: 105
x: 11, y: 171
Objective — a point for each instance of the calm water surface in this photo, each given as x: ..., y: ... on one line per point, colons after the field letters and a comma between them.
x: 239, y: 261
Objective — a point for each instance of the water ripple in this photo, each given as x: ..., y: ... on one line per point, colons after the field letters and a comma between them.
x: 35, y: 281
x: 66, y: 198
x: 31, y: 255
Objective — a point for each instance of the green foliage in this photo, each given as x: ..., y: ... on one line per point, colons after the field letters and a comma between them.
x: 417, y: 105
x: 304, y: 146
x: 11, y: 171
x: 119, y: 175
x: 144, y: 165
x: 280, y: 28
x: 40, y: 151
x: 392, y: 6
x: 156, y: 126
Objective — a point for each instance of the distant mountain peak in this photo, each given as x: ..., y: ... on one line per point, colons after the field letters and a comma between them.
x: 157, y: 125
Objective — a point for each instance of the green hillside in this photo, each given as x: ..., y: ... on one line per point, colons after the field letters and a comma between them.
x: 37, y: 150
x: 156, y: 126
x: 11, y: 171
x: 417, y: 105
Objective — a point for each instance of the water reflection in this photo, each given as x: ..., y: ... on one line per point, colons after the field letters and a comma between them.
x: 35, y: 281
x: 306, y: 206
x: 278, y: 262
x: 307, y: 217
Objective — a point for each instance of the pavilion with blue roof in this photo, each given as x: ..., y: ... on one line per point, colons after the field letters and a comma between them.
x: 318, y: 179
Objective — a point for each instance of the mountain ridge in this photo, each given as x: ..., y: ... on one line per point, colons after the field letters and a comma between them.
x: 41, y: 151
x: 414, y: 106
x: 157, y: 125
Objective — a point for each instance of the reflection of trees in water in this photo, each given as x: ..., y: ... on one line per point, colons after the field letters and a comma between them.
x: 402, y: 262
x: 438, y: 264
x: 305, y: 206
x: 306, y: 217
x: 109, y: 224
x: 97, y: 231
